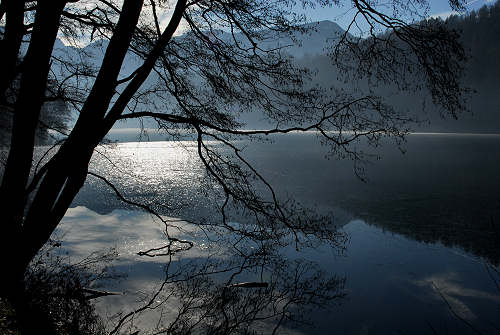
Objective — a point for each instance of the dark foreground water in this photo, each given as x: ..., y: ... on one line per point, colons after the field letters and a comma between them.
x: 424, y: 230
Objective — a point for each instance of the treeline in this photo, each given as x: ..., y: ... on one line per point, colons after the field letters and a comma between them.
x: 480, y: 35
x: 54, y: 116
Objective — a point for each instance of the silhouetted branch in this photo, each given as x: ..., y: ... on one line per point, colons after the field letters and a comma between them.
x: 453, y: 311
x: 94, y: 294
x: 171, y: 246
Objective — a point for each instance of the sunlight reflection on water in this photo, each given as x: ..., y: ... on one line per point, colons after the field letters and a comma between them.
x: 166, y: 173
x: 387, y: 275
x: 442, y: 192
x: 154, y: 163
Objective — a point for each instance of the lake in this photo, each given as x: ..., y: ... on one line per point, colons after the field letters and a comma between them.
x: 423, y: 229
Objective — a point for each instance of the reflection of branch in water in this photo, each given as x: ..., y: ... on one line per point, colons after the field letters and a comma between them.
x: 453, y: 311
x: 248, y: 285
x: 208, y: 302
x: 94, y: 294
x: 431, y: 327
x: 243, y: 283
x: 170, y: 247
x: 492, y: 271
x: 205, y: 301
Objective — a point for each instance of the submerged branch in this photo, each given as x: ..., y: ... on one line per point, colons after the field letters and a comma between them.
x: 187, y: 244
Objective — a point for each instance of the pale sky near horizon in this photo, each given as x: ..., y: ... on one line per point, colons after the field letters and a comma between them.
x: 342, y: 15
x: 436, y: 8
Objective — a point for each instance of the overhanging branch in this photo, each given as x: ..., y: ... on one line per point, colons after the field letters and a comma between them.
x: 171, y: 248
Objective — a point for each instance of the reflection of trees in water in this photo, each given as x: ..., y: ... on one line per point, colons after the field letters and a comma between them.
x: 241, y: 283
x: 255, y: 292
x: 209, y: 290
x: 470, y: 224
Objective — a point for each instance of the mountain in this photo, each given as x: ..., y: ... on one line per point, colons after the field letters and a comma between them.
x: 480, y: 35
x: 314, y: 42
x: 297, y: 45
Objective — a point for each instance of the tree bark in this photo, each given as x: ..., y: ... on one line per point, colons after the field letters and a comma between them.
x: 68, y: 169
x: 26, y: 114
x: 11, y: 44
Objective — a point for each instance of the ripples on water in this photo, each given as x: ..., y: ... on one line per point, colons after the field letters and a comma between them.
x: 440, y: 178
x: 168, y: 173
x: 444, y: 191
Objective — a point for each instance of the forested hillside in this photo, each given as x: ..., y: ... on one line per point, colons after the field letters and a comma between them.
x: 480, y: 35
x: 54, y: 117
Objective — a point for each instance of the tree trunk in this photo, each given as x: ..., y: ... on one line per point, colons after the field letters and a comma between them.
x: 67, y: 170
x: 26, y: 229
x: 26, y: 115
x: 14, y: 31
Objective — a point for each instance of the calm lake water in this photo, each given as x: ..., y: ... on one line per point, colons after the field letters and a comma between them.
x: 424, y: 229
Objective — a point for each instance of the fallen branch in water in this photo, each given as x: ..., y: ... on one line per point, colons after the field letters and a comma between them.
x: 249, y: 284
x: 93, y: 294
x: 453, y: 311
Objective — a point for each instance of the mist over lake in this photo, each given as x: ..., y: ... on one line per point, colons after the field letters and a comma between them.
x: 250, y: 167
x: 422, y: 226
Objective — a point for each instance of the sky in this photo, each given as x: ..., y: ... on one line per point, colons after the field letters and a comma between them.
x: 341, y: 15
x: 437, y: 8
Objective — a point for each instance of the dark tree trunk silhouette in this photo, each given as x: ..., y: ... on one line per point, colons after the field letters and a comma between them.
x: 14, y: 32
x: 67, y: 172
x: 25, y: 232
x: 26, y: 115
x: 34, y: 202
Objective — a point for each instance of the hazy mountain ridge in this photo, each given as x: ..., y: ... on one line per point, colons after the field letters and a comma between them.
x: 311, y: 43
x: 480, y: 35
x: 298, y: 44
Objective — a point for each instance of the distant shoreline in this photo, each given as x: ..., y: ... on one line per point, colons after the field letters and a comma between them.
x: 125, y: 135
